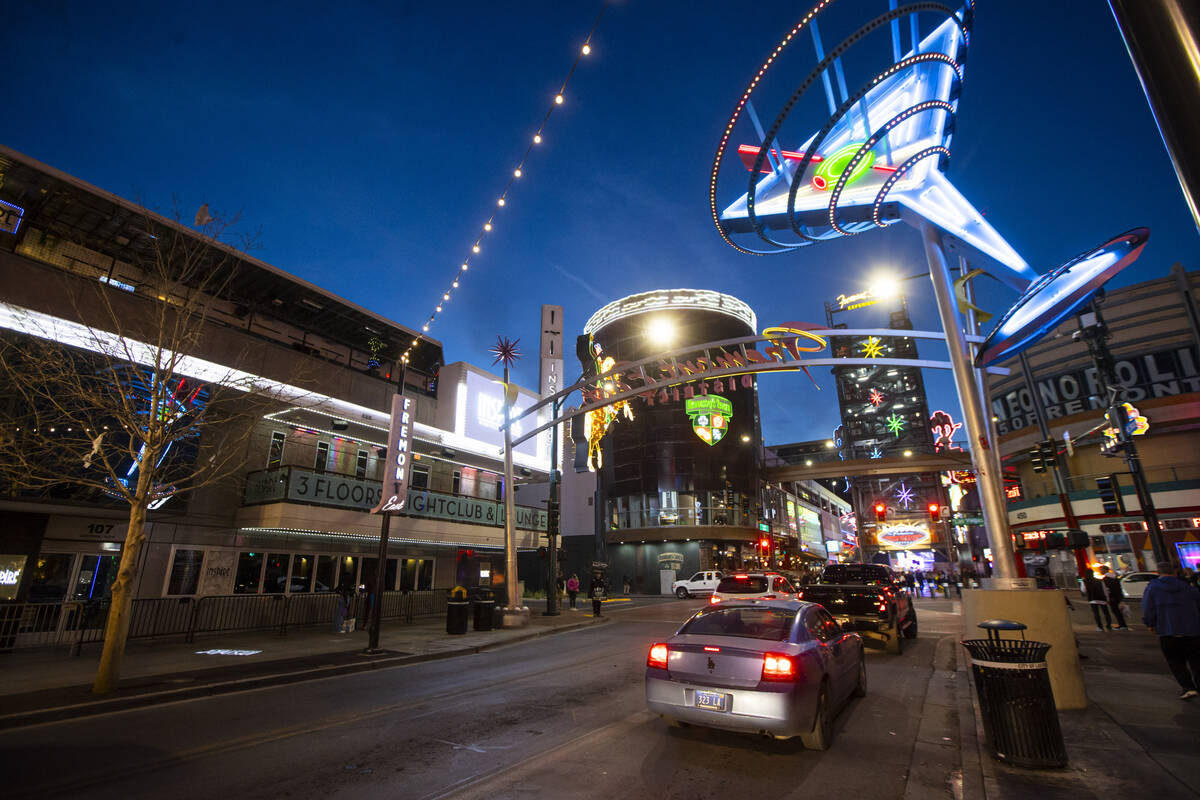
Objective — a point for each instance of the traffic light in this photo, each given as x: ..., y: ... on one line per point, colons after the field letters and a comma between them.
x: 541, y: 552
x: 1043, y: 456
x: 1110, y: 495
x: 880, y: 511
x: 1035, y: 459
x: 765, y: 544
x: 552, y: 516
x: 935, y: 512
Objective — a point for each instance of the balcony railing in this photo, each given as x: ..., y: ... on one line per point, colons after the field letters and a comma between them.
x: 334, y: 490
x: 1156, y: 477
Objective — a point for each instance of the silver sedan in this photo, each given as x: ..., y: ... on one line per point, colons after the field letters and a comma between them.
x: 781, y: 668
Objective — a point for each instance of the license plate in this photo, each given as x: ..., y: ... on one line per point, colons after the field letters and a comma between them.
x: 714, y: 701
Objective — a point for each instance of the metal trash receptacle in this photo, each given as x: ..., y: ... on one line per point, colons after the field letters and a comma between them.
x: 485, y: 609
x: 1020, y: 720
x: 458, y: 609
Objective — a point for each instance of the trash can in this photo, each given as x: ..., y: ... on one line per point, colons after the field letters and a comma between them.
x: 485, y: 608
x: 1019, y: 717
x: 458, y: 609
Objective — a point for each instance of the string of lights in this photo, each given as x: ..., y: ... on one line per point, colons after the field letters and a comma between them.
x: 502, y: 199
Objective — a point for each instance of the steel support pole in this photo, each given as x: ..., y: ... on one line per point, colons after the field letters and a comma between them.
x: 1163, y: 39
x: 553, y: 510
x: 375, y: 620
x: 988, y: 478
x: 510, y: 541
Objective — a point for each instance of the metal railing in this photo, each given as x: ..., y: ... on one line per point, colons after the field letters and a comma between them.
x: 24, y: 625
x: 1043, y: 485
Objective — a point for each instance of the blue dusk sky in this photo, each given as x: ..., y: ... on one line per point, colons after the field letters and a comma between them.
x: 369, y: 142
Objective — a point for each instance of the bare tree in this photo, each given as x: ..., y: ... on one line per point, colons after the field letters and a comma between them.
x: 116, y: 406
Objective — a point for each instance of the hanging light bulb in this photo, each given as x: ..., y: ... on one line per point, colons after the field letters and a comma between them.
x: 517, y: 172
x: 474, y: 249
x: 425, y: 327
x: 587, y: 49
x: 500, y: 202
x: 454, y: 285
x: 464, y: 267
x: 487, y: 226
x: 558, y: 100
x: 446, y: 296
x: 537, y: 138
x: 438, y: 309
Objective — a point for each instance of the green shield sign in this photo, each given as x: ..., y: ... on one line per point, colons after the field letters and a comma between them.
x: 710, y: 415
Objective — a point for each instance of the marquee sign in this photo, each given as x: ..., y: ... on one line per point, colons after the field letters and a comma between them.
x: 710, y: 415
x: 904, y: 536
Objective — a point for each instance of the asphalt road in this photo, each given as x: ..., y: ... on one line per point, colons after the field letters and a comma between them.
x: 558, y: 716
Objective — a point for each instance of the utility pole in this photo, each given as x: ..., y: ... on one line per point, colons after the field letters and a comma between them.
x: 553, y: 509
x: 374, y: 623
x: 1057, y: 466
x: 1096, y: 334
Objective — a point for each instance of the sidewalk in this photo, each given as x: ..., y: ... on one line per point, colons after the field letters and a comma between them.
x: 1135, y: 738
x: 44, y: 684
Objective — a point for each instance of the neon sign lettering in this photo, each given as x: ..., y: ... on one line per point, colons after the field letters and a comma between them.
x: 399, y: 453
x: 710, y: 417
x: 9, y: 577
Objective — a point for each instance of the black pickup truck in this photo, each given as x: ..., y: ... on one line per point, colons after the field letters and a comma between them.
x: 871, y: 598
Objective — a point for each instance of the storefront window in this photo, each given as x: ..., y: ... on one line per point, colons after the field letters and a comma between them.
x: 48, y: 578
x: 185, y: 571
x: 248, y: 572
x: 275, y: 454
x: 301, y: 573
x: 325, y: 569
x: 96, y: 576
x: 348, y: 576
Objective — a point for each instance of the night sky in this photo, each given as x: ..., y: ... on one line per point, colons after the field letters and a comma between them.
x: 369, y: 142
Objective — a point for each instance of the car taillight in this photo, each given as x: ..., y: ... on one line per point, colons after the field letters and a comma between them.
x: 657, y: 659
x: 714, y: 599
x: 778, y: 667
x: 800, y: 595
x: 768, y: 597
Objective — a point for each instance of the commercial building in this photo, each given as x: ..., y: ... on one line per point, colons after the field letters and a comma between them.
x: 1155, y: 343
x: 295, y: 518
x: 678, y: 471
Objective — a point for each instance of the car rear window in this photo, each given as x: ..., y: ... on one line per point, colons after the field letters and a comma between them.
x: 867, y: 574
x: 745, y: 584
x: 774, y: 624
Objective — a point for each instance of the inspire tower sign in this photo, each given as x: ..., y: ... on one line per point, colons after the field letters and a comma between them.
x: 399, y: 455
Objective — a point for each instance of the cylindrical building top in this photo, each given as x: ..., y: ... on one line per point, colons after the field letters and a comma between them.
x: 695, y: 299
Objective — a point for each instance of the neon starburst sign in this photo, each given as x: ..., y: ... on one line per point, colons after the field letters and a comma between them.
x: 872, y: 348
x: 904, y: 495
x: 876, y: 397
x: 895, y: 424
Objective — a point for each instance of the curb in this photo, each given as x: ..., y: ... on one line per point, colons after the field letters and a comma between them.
x: 23, y: 719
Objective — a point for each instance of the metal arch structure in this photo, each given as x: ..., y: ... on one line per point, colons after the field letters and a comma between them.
x: 719, y: 360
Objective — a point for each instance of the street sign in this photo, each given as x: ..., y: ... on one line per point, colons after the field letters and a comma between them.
x: 962, y: 521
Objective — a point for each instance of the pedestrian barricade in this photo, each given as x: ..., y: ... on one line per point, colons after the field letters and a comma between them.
x: 74, y: 623
x: 1020, y: 721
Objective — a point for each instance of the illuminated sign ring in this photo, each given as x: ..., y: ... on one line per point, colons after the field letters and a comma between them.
x: 1057, y: 294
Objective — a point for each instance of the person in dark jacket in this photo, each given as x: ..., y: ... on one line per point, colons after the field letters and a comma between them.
x: 1093, y: 591
x: 1114, y: 594
x: 1171, y: 608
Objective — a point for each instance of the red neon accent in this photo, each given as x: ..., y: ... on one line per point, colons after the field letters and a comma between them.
x: 819, y: 183
x: 657, y: 657
x: 749, y: 152
x: 779, y: 667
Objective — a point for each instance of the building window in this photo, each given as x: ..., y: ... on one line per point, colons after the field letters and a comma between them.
x: 360, y: 466
x: 275, y: 454
x: 185, y: 572
x: 456, y: 482
x: 249, y: 570
x: 419, y: 479
x: 322, y: 460
x: 301, y: 573
x: 275, y: 579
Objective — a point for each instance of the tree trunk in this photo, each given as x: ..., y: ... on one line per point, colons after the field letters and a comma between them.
x: 117, y: 628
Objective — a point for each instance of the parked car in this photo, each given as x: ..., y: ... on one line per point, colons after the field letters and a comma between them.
x: 703, y: 582
x: 747, y: 585
x: 777, y: 667
x: 870, y: 598
x: 1133, y: 584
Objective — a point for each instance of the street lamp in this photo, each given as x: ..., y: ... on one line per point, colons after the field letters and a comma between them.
x: 885, y: 287
x: 661, y: 332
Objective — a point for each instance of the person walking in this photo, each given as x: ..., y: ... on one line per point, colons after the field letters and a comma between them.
x: 920, y: 583
x: 341, y: 609
x: 573, y: 589
x: 1171, y: 609
x: 597, y: 590
x: 1114, y: 594
x: 1093, y: 591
